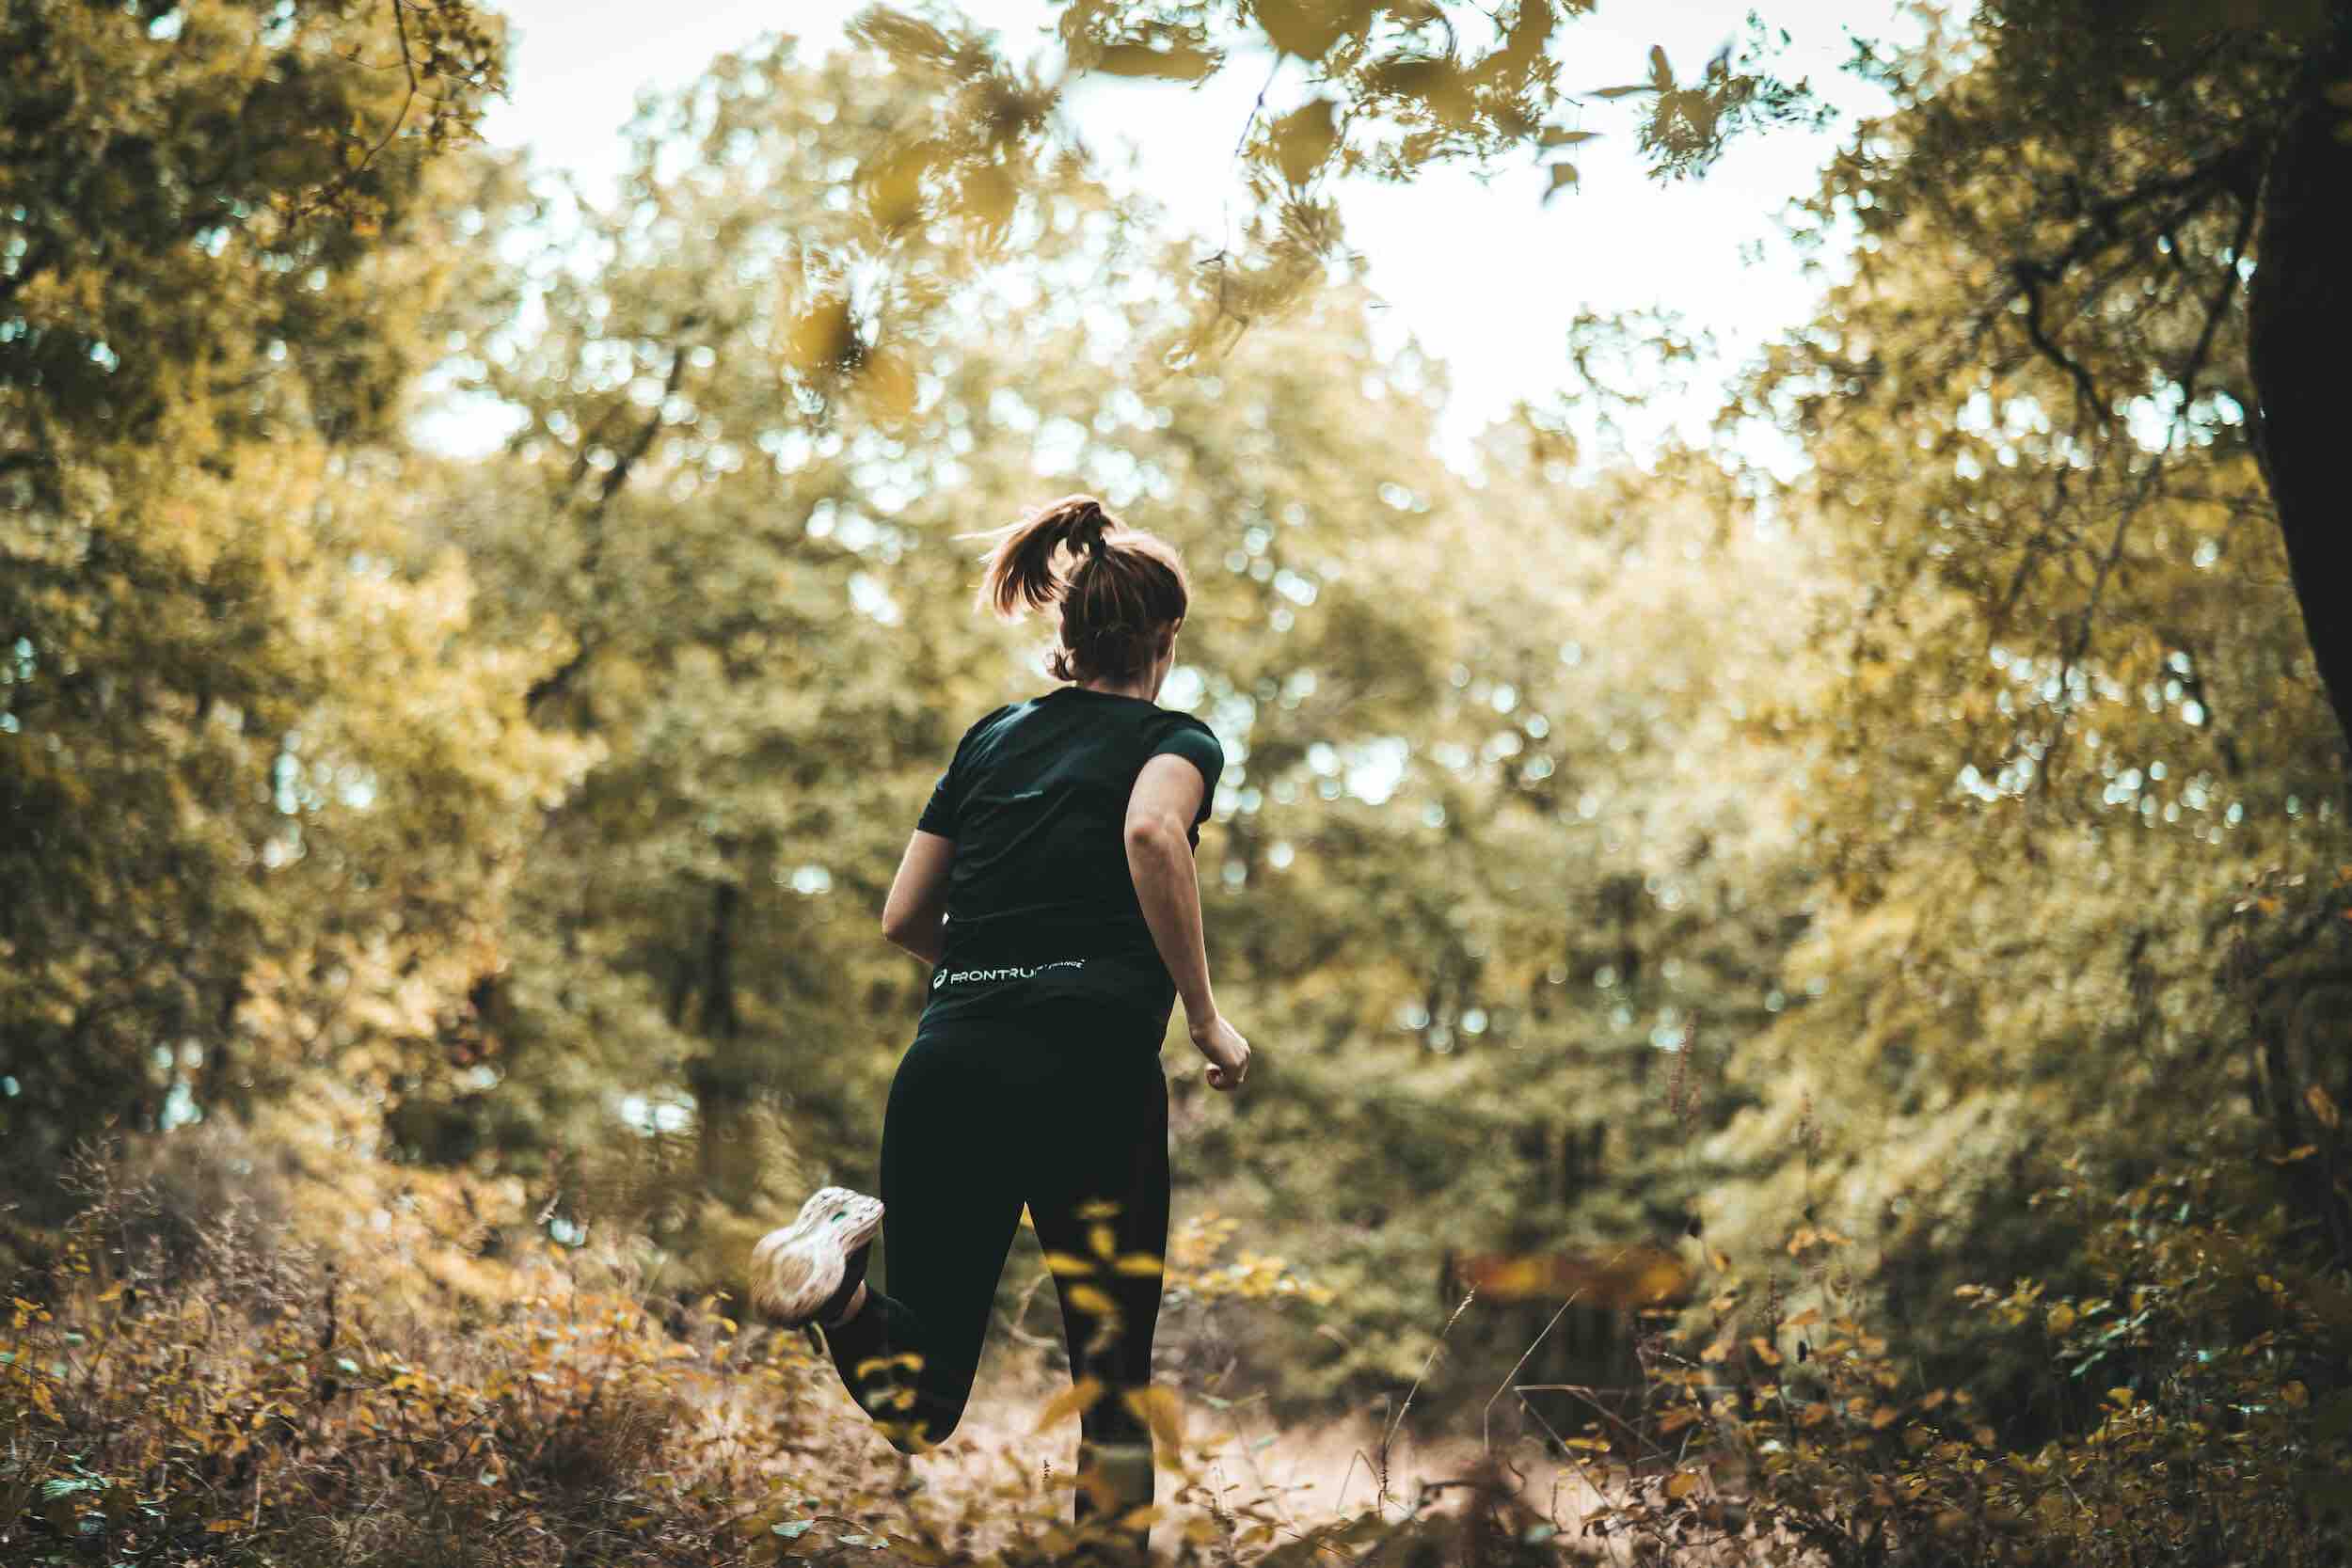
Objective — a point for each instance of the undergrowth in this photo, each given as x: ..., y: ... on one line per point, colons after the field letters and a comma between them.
x: 216, y: 1394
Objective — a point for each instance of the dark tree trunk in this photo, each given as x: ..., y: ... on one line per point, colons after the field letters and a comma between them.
x: 2299, y: 332
x: 723, y: 1079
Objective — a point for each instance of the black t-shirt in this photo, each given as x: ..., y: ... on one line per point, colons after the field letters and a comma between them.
x: 1040, y: 901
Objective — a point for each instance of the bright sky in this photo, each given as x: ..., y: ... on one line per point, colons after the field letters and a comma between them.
x: 1483, y: 274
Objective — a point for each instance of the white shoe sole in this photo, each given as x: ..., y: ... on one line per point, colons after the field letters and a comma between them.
x: 796, y: 1268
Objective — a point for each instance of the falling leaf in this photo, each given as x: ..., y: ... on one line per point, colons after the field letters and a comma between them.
x: 1070, y: 1402
x: 1161, y: 1411
x: 1090, y: 1300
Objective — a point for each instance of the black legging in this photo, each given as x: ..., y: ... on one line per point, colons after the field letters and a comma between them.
x: 1062, y: 1108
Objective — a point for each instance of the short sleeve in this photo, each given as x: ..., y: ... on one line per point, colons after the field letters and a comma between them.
x: 946, y: 803
x: 939, y: 813
x: 1190, y: 739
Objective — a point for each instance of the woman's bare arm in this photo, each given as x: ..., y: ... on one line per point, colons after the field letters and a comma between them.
x: 914, y: 916
x: 1160, y: 811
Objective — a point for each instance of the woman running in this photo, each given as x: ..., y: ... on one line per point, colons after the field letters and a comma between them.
x: 1050, y: 884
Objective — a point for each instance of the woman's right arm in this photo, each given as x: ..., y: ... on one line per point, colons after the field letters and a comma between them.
x: 1160, y: 811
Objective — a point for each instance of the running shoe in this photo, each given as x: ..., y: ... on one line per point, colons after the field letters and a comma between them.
x: 809, y: 1270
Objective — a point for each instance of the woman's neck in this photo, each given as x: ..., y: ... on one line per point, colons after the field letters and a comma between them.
x: 1139, y: 686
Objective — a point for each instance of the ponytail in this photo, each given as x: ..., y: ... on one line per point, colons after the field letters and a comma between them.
x: 1020, y: 573
x: 1119, y: 587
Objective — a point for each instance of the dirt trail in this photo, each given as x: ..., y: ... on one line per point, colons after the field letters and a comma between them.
x: 1252, y: 1483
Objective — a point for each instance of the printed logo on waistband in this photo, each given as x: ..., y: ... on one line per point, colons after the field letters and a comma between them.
x: 945, y: 977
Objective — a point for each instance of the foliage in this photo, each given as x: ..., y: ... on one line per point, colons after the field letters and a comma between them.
x: 1354, y: 88
x: 2204, y: 1399
x: 230, y: 1391
x: 228, y: 856
x: 2072, y: 767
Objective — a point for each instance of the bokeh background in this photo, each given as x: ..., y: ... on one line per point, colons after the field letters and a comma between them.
x: 1783, y: 842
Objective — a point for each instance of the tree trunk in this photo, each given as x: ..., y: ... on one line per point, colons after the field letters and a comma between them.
x: 728, y: 1150
x: 2299, y: 347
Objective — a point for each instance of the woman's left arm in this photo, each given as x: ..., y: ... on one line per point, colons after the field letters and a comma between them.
x: 914, y: 916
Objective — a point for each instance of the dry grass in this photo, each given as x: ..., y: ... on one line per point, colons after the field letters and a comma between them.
x: 178, y: 1386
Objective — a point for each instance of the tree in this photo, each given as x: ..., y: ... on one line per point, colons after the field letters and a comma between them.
x: 238, y: 851
x: 2071, y: 766
x: 2144, y: 202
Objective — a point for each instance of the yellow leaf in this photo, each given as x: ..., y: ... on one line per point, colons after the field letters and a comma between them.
x: 1179, y: 63
x: 822, y: 337
x: 2061, y: 1317
x: 1303, y: 139
x: 1682, y: 1484
x: 2323, y: 1107
x: 888, y: 382
x: 892, y: 185
x: 1160, y: 1410
x: 1072, y: 1402
x: 1809, y: 1316
x: 1090, y: 1300
x: 1764, y: 1352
